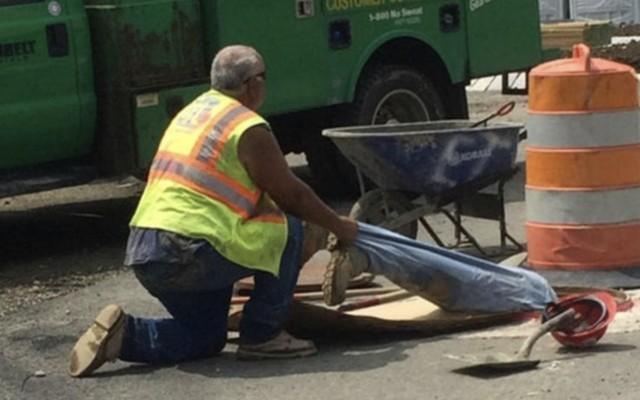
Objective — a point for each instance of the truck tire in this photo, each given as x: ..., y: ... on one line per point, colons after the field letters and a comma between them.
x: 385, y: 95
x: 396, y: 94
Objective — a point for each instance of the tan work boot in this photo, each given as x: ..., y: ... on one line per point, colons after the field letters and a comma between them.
x: 282, y: 346
x: 345, y: 264
x: 102, y: 342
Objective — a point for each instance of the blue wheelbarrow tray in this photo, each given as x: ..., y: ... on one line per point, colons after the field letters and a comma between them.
x: 430, y: 158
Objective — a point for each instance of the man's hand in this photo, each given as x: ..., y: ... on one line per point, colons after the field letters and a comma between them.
x: 346, y: 231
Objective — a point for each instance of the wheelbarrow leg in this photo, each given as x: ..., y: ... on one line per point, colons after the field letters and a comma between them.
x: 458, y: 223
x: 431, y: 232
x: 464, y: 231
x: 504, y: 235
x: 363, y: 189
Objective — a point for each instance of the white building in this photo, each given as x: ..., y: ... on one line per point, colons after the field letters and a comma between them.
x: 616, y: 11
x: 553, y: 10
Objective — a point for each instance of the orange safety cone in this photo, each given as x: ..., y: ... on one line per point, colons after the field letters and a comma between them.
x: 583, y: 172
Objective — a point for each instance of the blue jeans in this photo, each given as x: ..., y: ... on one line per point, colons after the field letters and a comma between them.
x: 198, y: 297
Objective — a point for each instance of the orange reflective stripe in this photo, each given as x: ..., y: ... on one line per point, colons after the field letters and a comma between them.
x: 605, y: 167
x: 211, y: 126
x: 270, y: 218
x: 583, y: 93
x: 583, y: 247
x: 199, y: 170
x: 251, y: 194
x: 224, y: 136
x: 202, y: 182
x: 186, y: 182
x: 210, y: 147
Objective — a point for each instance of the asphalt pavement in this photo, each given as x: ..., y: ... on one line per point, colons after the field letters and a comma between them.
x: 36, y: 340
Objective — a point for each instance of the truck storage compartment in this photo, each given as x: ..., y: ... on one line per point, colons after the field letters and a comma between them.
x: 139, y: 45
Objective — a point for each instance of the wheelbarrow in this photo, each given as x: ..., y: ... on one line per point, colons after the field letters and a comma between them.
x: 419, y: 168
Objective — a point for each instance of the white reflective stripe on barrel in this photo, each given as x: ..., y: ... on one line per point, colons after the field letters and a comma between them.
x: 582, y: 130
x: 583, y: 207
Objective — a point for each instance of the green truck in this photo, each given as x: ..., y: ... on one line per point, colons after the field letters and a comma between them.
x: 87, y: 87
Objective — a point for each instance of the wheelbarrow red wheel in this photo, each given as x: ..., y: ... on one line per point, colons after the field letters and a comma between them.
x: 379, y: 206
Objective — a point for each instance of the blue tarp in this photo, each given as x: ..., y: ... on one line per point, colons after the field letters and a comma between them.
x: 452, y: 280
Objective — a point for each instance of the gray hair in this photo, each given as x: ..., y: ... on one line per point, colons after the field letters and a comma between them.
x: 232, y: 66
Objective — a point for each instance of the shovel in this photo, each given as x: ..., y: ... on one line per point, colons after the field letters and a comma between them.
x: 521, y: 360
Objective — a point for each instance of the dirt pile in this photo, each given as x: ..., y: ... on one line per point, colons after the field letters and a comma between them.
x: 627, y: 53
x: 627, y: 30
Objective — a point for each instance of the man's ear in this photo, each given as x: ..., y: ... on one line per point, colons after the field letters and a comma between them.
x: 251, y: 87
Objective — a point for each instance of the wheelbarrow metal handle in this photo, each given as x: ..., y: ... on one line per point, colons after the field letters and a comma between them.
x: 502, y: 111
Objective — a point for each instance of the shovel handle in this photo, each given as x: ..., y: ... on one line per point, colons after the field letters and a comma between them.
x: 551, y: 325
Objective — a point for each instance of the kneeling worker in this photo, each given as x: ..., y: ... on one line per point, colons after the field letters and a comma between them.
x: 213, y: 212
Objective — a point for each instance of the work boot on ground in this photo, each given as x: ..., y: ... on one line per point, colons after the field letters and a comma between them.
x: 282, y: 346
x: 345, y: 264
x: 102, y: 342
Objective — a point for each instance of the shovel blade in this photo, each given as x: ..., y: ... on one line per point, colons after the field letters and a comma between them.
x: 508, y: 365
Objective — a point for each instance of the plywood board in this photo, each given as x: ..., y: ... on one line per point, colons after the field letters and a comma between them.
x: 411, y: 309
x: 413, y: 317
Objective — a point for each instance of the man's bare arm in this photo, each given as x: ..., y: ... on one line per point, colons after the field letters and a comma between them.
x: 260, y: 153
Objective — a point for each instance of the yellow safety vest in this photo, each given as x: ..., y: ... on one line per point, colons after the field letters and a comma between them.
x: 198, y: 187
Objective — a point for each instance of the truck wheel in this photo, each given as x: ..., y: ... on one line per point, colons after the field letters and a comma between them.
x: 386, y: 95
x: 396, y: 94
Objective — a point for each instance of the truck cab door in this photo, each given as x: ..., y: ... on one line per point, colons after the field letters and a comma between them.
x: 46, y: 90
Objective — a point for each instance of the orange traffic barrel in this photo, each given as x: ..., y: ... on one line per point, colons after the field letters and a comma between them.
x: 583, y: 172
